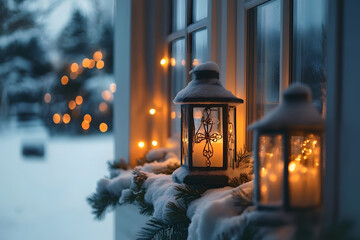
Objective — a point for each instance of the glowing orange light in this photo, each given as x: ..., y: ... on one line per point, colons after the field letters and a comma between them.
x: 73, y: 75
x: 195, y: 62
x: 87, y: 118
x: 47, y: 97
x: 97, y: 56
x: 183, y: 62
x: 106, y: 95
x: 64, y: 80
x: 74, y: 67
x: 91, y: 63
x: 173, y: 115
x: 103, y: 107
x: 173, y: 62
x: 113, y: 87
x: 66, y: 118
x: 152, y: 111
x: 86, y: 62
x: 154, y: 143
x: 141, y: 144
x: 85, y: 125
x: 100, y: 64
x: 79, y: 100
x: 103, y: 127
x: 72, y: 105
x: 56, y: 118
x: 292, y: 167
x: 163, y: 62
x: 80, y: 70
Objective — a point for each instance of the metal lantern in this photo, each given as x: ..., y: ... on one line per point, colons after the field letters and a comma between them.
x: 288, y: 153
x: 208, y: 127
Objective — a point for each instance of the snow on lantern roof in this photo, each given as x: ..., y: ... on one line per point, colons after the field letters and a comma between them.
x: 206, y: 87
x: 296, y: 111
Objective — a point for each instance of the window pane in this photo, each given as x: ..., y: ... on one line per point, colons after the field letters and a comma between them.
x: 309, y: 47
x: 267, y: 57
x: 177, y: 80
x: 178, y: 15
x: 199, y: 47
x: 271, y: 166
x: 208, y: 152
x: 200, y: 8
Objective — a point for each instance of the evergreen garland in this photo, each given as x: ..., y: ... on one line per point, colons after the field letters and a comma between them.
x: 117, y: 164
x: 187, y: 194
x: 237, y: 181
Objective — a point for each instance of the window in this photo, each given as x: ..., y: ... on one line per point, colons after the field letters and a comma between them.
x: 188, y: 46
x: 285, y: 44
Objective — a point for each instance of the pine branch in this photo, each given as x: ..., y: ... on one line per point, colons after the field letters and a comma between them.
x: 168, y: 170
x: 243, y: 159
x: 155, y: 229
x: 117, y: 164
x: 237, y: 181
x: 101, y: 202
x: 176, y: 214
x: 187, y: 194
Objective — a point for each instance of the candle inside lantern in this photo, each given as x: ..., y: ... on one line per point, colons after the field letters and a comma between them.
x: 208, y: 143
x: 271, y: 169
x: 304, y: 171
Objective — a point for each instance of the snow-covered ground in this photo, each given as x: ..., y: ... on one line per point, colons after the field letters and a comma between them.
x: 45, y: 198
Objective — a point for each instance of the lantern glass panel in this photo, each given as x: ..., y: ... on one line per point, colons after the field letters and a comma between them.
x: 231, y: 136
x: 208, y: 139
x: 271, y: 166
x: 184, y: 136
x: 304, y: 171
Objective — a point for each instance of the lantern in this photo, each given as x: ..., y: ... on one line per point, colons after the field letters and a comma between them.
x: 288, y: 153
x: 208, y: 127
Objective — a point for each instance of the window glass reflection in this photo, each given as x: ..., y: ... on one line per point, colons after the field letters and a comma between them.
x: 199, y: 47
x: 178, y: 15
x: 267, y: 57
x: 200, y: 8
x: 177, y: 77
x: 309, y: 47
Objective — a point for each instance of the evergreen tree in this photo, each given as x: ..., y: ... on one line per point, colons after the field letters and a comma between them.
x: 73, y: 40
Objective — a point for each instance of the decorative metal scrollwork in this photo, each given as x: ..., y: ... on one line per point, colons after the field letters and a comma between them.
x: 207, y: 123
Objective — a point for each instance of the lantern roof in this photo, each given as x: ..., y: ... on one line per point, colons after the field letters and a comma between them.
x: 206, y: 87
x: 295, y: 111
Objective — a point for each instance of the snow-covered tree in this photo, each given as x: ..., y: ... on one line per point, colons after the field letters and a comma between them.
x: 74, y: 38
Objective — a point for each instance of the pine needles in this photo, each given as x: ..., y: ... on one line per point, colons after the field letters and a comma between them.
x: 101, y: 202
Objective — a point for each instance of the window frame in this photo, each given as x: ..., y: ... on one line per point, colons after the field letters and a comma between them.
x: 187, y: 34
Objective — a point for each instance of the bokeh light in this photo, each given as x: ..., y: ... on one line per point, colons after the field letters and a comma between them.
x: 195, y: 62
x: 163, y: 62
x: 57, y: 118
x: 113, y: 87
x: 79, y: 100
x: 103, y: 107
x: 97, y: 56
x: 66, y: 118
x: 72, y: 105
x: 100, y: 64
x: 91, y: 63
x: 152, y: 111
x: 86, y: 62
x: 154, y: 143
x: 73, y: 75
x: 47, y: 98
x: 74, y: 67
x: 173, y: 62
x: 106, y: 95
x: 103, y: 127
x: 141, y: 144
x: 85, y: 125
x: 87, y: 118
x: 64, y: 80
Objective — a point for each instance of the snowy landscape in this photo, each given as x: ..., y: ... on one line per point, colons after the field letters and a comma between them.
x: 45, y: 197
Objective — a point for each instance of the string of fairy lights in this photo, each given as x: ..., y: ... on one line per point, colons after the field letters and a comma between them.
x: 75, y: 70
